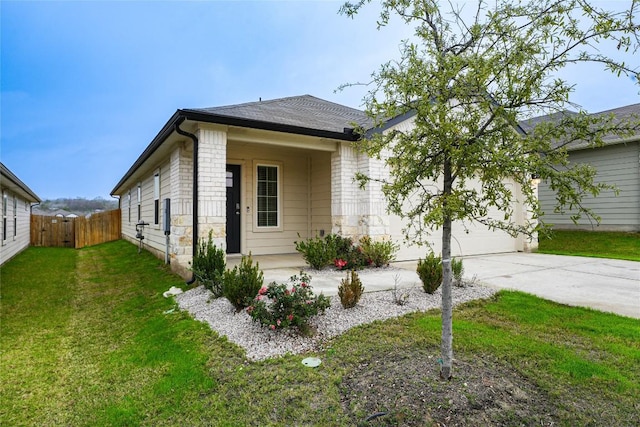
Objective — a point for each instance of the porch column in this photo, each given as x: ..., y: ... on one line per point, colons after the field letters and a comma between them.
x: 344, y: 192
x: 212, y: 200
x: 357, y: 212
x: 373, y: 221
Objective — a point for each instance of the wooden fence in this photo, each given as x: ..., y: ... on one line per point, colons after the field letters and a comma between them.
x: 75, y: 232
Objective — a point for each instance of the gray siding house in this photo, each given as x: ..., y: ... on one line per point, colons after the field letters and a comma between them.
x: 617, y: 163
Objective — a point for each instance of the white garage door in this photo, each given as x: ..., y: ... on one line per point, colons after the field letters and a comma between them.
x: 475, y: 239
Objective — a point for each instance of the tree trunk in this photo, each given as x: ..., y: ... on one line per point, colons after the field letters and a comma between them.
x: 446, y: 347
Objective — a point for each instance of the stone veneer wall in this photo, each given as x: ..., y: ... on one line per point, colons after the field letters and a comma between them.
x: 357, y: 212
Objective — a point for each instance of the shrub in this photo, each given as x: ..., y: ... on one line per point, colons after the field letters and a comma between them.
x: 241, y: 284
x: 208, y: 265
x: 350, y: 290
x: 278, y: 306
x: 430, y: 273
x: 379, y: 253
x: 458, y: 270
x: 316, y: 252
x: 347, y: 256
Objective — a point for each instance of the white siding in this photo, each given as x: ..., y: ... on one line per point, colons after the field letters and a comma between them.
x: 320, y: 194
x: 12, y: 245
x: 615, y: 164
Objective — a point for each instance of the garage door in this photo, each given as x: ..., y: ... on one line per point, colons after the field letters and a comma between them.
x: 475, y: 239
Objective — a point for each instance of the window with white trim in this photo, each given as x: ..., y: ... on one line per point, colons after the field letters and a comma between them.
x: 267, y: 196
x: 156, y: 198
x: 129, y: 204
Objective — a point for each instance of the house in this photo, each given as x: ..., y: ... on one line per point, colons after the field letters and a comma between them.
x: 260, y: 176
x: 60, y: 213
x: 617, y: 162
x: 17, y: 200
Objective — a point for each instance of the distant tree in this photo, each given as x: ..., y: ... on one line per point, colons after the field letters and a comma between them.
x: 79, y: 204
x: 469, y: 79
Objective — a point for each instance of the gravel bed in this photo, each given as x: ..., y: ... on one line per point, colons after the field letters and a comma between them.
x: 261, y: 343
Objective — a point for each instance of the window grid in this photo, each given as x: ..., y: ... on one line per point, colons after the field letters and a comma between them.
x: 267, y: 196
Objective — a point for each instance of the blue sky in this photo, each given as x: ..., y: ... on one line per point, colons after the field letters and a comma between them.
x: 87, y: 85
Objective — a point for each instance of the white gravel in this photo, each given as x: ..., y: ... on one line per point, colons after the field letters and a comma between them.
x: 261, y: 343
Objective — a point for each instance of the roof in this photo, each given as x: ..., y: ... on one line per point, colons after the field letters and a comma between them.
x: 629, y: 114
x: 304, y: 111
x: 14, y: 184
x: 301, y: 115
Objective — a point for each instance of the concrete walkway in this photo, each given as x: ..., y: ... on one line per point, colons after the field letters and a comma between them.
x: 602, y: 284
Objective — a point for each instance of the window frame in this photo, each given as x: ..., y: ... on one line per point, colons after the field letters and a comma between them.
x: 279, y: 196
x: 5, y: 202
x: 139, y: 201
x: 15, y: 217
x: 156, y: 198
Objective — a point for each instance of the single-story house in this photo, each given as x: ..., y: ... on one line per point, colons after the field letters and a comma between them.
x: 617, y: 162
x: 260, y: 176
x: 17, y: 200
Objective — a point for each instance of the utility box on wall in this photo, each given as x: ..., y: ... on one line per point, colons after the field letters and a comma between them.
x: 166, y: 217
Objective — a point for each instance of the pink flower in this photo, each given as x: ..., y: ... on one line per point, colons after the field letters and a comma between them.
x: 290, y: 317
x: 304, y: 285
x: 263, y: 290
x: 293, y: 289
x: 272, y: 327
x: 340, y: 263
x: 259, y: 298
x: 278, y: 322
x: 249, y: 309
x: 308, y: 301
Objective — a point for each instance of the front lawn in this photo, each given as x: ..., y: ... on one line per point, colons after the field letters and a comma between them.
x: 599, y: 244
x: 88, y: 339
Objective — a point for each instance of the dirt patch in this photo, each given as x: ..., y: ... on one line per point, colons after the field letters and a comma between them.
x: 402, y: 388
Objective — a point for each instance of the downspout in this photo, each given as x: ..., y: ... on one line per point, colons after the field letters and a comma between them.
x: 195, y: 189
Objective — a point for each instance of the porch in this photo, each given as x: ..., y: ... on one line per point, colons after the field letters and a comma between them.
x: 279, y: 268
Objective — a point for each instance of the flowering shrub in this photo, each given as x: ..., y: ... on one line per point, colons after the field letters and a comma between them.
x: 344, y: 254
x: 279, y: 306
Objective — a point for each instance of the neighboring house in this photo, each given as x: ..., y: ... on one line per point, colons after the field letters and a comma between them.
x: 60, y: 213
x: 17, y: 199
x: 617, y: 163
x: 262, y: 175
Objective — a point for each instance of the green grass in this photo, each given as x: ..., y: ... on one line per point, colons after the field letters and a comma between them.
x: 599, y: 244
x: 86, y: 340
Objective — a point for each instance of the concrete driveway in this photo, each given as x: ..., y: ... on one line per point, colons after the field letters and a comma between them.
x: 602, y: 284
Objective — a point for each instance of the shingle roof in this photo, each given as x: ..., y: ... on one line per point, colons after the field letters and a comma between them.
x: 304, y: 111
x: 629, y: 114
x: 12, y: 182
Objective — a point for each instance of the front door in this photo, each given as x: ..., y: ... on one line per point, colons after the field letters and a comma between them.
x: 233, y: 209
